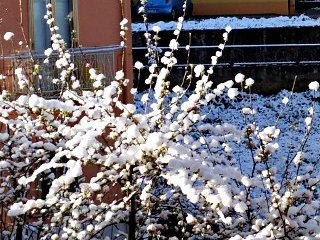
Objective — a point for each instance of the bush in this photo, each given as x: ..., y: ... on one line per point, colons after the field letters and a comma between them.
x: 185, y: 169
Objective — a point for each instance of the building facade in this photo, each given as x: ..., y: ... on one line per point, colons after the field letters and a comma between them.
x: 90, y: 28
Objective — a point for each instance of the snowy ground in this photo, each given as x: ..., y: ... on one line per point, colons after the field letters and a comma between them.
x: 235, y: 23
x: 291, y: 124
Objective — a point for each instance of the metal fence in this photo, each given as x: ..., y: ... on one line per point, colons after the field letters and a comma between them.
x: 236, y: 55
x: 103, y: 59
x: 118, y: 231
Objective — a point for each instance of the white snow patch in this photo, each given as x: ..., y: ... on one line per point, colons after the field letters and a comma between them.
x: 234, y: 23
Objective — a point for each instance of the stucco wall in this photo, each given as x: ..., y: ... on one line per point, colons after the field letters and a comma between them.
x: 235, y: 7
x: 97, y: 22
x: 98, y: 25
x: 10, y: 22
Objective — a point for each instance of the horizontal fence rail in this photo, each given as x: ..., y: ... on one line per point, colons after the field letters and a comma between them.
x: 242, y: 46
x: 263, y: 49
x: 103, y: 59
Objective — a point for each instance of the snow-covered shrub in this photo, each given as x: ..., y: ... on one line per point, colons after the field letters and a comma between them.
x: 183, y: 168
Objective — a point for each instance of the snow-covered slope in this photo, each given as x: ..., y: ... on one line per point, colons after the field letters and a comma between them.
x: 236, y: 23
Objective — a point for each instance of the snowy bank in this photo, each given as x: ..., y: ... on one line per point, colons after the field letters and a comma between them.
x: 235, y: 23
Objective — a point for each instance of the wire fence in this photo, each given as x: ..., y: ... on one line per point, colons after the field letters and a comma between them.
x: 103, y: 59
x: 257, y: 54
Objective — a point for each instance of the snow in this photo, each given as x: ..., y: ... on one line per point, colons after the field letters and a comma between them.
x: 314, y: 86
x: 265, y: 110
x: 240, y: 207
x: 234, y: 23
x: 8, y: 36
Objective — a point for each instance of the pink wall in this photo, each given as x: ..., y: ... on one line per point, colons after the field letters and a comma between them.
x: 98, y: 25
x: 10, y: 22
x: 99, y: 22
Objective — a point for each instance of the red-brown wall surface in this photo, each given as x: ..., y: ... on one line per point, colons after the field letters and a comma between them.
x: 11, y: 22
x: 98, y: 22
x: 98, y: 25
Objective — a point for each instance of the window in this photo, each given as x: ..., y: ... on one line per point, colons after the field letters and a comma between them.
x: 40, y: 33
